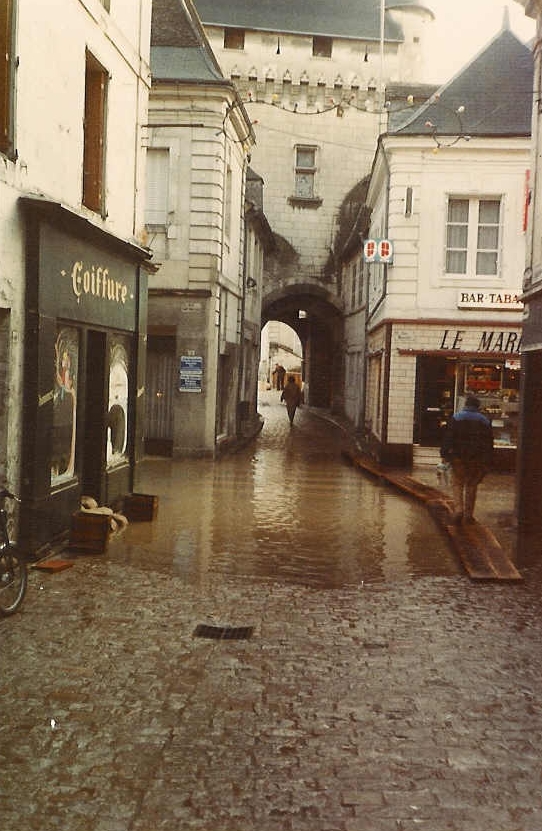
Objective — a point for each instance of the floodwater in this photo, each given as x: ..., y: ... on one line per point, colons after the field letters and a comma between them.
x: 287, y: 508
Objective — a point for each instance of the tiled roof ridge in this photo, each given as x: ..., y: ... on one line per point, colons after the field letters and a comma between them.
x: 506, y: 39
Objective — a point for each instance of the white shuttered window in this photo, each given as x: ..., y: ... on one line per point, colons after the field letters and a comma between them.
x: 473, y: 236
x: 156, y: 209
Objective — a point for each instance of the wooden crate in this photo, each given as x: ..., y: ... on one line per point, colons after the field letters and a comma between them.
x: 140, y: 507
x: 89, y: 533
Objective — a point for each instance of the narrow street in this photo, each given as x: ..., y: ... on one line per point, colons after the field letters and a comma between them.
x: 286, y: 508
x: 374, y: 687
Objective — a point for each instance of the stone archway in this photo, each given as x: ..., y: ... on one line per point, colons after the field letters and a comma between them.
x: 320, y: 330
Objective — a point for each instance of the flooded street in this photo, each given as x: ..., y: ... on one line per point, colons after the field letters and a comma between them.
x: 374, y: 687
x: 289, y: 508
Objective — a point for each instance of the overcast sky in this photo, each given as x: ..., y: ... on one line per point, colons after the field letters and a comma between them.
x: 463, y: 27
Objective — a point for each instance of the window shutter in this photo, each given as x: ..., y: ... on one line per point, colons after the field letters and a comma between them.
x: 156, y: 208
x: 94, y: 132
x: 6, y: 81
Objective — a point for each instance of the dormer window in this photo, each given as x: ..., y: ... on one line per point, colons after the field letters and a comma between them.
x: 234, y: 38
x: 322, y: 46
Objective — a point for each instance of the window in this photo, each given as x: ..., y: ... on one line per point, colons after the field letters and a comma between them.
x: 66, y: 364
x: 322, y: 46
x: 156, y: 194
x: 117, y: 416
x: 228, y: 203
x: 234, y: 39
x: 94, y: 135
x: 305, y: 172
x: 7, y: 76
x: 361, y: 279
x: 472, y: 236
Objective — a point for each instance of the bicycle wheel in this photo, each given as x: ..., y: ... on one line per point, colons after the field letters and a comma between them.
x: 13, y: 580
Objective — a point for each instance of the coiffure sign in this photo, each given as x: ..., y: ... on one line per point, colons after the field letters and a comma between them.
x: 79, y: 281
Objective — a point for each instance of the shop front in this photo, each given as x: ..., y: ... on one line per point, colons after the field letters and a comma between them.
x: 529, y: 471
x: 426, y: 370
x: 86, y: 303
x: 443, y: 385
x: 484, y: 362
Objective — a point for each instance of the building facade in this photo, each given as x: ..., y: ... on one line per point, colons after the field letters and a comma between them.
x: 259, y: 245
x: 529, y: 487
x: 444, y: 259
x: 199, y: 141
x: 73, y: 266
x: 312, y: 80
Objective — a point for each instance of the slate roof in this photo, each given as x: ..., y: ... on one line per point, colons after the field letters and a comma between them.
x: 495, y: 89
x: 358, y: 19
x: 179, y: 49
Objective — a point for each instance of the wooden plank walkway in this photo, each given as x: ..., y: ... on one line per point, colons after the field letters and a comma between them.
x: 479, y: 551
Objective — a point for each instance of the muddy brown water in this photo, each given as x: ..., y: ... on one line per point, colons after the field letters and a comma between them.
x: 287, y: 508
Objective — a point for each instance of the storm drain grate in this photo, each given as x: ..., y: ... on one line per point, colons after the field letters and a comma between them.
x: 223, y: 633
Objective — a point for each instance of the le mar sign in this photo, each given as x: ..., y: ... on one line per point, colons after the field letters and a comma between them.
x: 378, y: 251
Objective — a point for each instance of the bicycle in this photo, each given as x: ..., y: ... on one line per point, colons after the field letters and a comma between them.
x: 13, y: 568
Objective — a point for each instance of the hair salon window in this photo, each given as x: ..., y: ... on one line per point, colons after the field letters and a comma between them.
x: 117, y: 417
x: 473, y: 236
x: 66, y: 361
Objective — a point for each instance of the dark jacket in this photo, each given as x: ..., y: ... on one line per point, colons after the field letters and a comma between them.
x: 468, y: 437
x: 291, y: 394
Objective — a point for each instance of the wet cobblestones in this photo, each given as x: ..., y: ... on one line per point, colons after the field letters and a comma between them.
x: 399, y: 705
x: 392, y: 707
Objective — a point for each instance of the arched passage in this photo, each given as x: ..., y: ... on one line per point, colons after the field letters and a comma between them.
x: 279, y: 346
x: 313, y: 313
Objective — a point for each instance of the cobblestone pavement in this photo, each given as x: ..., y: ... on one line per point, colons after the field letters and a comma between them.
x: 402, y: 705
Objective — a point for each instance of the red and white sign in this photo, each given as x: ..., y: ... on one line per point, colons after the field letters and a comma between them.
x: 378, y: 251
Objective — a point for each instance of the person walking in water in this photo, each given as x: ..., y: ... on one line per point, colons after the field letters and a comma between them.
x: 291, y: 394
x: 279, y: 372
x: 468, y: 447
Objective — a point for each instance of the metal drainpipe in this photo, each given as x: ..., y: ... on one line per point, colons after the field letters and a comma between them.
x: 243, y: 300
x: 218, y: 297
x: 138, y: 129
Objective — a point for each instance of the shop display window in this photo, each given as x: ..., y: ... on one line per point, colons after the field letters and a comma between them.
x: 496, y: 384
x: 66, y: 361
x: 117, y: 418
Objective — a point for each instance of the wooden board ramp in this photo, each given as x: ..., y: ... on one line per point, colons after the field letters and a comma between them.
x: 478, y: 549
x: 425, y: 493
x: 481, y: 553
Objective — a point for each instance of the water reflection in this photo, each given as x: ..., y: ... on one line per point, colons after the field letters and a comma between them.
x: 288, y: 508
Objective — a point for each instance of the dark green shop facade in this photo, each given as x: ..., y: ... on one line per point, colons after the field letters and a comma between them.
x: 84, y: 368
